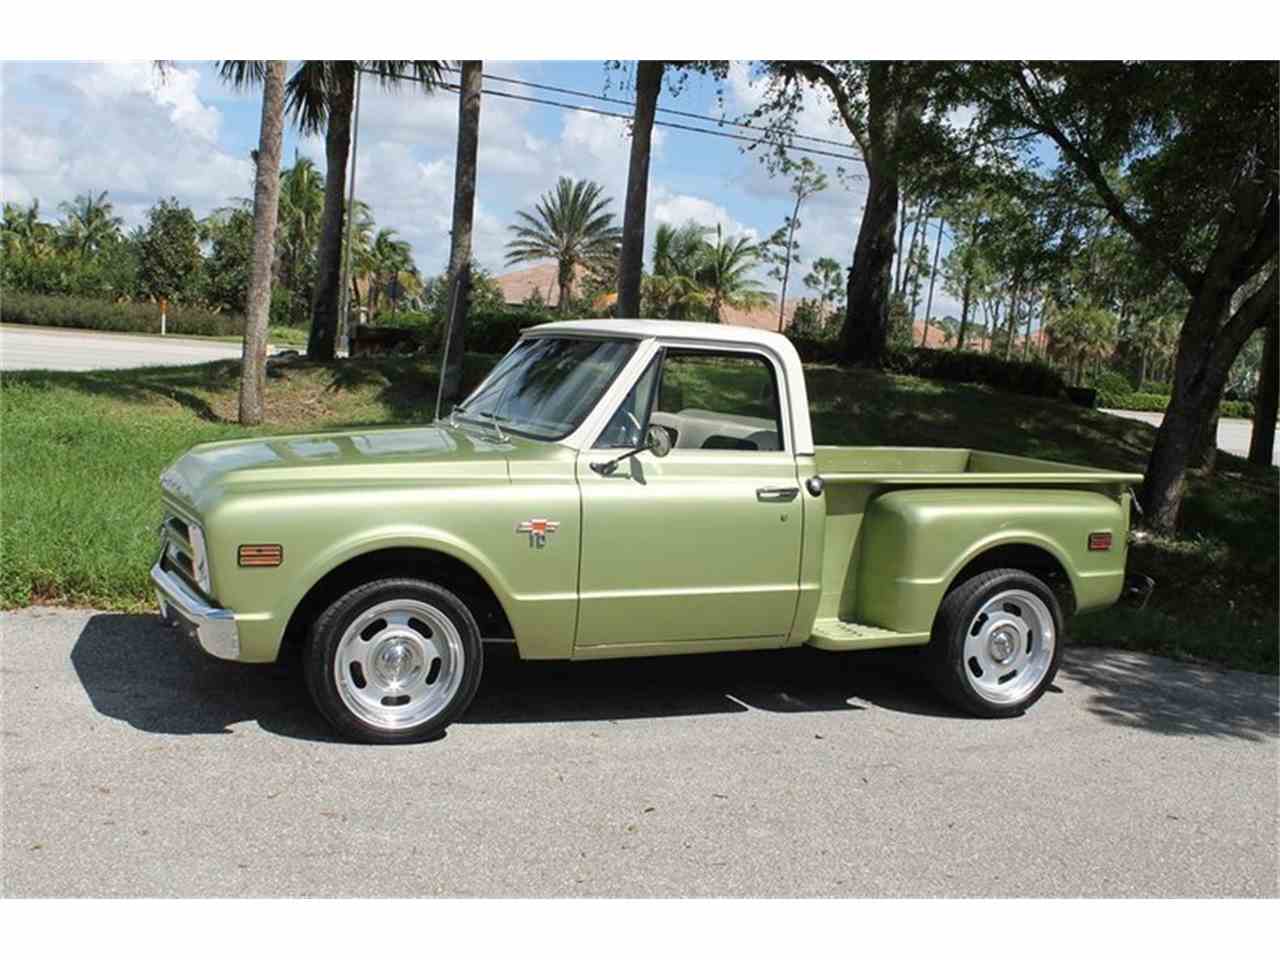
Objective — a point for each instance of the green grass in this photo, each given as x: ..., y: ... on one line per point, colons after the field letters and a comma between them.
x: 80, y: 454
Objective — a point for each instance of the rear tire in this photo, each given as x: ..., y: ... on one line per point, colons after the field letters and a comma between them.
x: 997, y: 642
x: 394, y: 661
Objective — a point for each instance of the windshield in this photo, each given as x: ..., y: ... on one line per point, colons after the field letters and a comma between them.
x: 545, y: 387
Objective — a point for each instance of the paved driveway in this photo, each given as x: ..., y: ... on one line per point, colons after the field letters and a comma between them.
x: 40, y: 348
x: 1233, y: 433
x: 133, y: 767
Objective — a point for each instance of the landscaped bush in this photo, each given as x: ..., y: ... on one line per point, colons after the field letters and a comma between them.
x: 958, y: 366
x: 1111, y: 387
x: 1157, y: 403
x: 488, y: 331
x: 88, y: 314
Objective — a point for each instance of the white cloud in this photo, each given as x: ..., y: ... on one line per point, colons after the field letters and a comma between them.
x: 176, y: 89
x: 678, y: 209
x: 74, y: 128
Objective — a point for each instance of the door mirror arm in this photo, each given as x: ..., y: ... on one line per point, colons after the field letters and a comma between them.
x: 657, y: 441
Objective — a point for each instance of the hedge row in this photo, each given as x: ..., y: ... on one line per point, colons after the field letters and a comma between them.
x: 1031, y: 377
x: 488, y: 331
x: 1157, y: 403
x: 87, y: 314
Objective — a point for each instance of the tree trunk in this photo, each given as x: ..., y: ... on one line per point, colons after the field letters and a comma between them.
x: 786, y: 267
x: 464, y: 203
x: 564, y: 286
x: 922, y: 217
x: 903, y: 222
x: 337, y: 146
x: 631, y: 261
x: 1026, y: 340
x: 1011, y: 323
x: 266, y: 204
x: 1262, y: 444
x: 1206, y: 350
x: 965, y: 296
x: 933, y: 277
x: 1204, y: 454
x: 866, y: 325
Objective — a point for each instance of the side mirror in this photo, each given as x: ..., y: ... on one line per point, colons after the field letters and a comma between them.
x: 657, y: 441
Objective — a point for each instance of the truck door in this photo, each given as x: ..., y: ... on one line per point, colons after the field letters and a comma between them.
x: 703, y: 544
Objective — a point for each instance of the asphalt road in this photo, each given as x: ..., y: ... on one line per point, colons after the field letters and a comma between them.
x: 1233, y: 434
x: 134, y: 767
x: 41, y: 348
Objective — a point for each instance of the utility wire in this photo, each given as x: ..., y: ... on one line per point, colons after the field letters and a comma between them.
x: 755, y: 141
x: 720, y: 121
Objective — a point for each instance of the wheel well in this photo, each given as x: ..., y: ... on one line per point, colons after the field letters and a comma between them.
x: 1022, y: 556
x: 432, y: 565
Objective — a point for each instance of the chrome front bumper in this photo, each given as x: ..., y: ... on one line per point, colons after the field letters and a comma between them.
x: 213, y: 628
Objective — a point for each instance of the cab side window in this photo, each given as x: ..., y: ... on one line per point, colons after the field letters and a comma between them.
x: 719, y: 401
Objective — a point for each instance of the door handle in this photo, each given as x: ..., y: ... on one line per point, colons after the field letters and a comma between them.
x: 777, y: 494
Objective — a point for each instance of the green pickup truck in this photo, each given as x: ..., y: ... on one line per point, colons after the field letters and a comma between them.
x: 621, y: 488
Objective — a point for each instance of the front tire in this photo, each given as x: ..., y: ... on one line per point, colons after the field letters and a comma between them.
x: 997, y: 642
x: 394, y: 661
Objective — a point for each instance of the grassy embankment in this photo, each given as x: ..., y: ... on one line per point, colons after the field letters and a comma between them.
x: 80, y: 454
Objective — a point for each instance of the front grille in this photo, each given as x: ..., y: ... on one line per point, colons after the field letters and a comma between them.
x: 177, y: 553
x: 179, y: 527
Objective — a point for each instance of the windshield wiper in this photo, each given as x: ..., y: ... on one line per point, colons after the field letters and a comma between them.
x: 481, y: 418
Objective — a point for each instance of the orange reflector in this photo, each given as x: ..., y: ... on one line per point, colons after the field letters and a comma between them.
x: 260, y: 555
x: 1099, y: 541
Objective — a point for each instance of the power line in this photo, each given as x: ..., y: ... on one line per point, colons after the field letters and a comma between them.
x: 764, y: 139
x: 720, y: 121
x: 660, y: 123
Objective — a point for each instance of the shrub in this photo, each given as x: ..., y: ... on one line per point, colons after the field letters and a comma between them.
x: 488, y: 331
x: 88, y: 314
x: 1033, y: 377
x: 1157, y: 403
x: 1111, y: 387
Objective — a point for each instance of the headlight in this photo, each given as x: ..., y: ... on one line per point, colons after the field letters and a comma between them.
x: 200, y: 559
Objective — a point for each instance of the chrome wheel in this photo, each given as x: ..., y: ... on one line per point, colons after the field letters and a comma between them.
x: 1009, y: 646
x: 399, y: 664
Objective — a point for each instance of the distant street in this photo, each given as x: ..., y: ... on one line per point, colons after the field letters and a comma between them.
x: 41, y: 348
x: 1233, y: 434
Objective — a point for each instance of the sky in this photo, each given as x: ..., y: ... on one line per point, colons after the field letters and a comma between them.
x: 71, y: 128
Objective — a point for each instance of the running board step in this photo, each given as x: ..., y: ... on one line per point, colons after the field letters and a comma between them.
x: 833, y: 634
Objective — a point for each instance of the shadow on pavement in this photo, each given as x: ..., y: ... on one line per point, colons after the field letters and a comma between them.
x: 779, y: 681
x: 1163, y: 696
x: 137, y: 670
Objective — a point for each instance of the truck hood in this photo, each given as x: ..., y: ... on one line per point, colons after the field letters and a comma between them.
x: 374, y: 457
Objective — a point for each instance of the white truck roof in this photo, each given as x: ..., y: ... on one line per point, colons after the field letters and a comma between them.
x: 707, y: 334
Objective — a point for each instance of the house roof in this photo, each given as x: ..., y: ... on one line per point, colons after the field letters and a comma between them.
x: 517, y: 286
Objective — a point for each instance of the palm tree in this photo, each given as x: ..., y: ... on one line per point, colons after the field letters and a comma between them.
x: 464, y: 203
x: 321, y: 95
x: 360, y: 239
x: 301, y: 207
x: 725, y: 279
x: 390, y: 262
x: 266, y: 199
x: 572, y: 226
x: 23, y: 230
x: 90, y: 223
x: 678, y: 253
